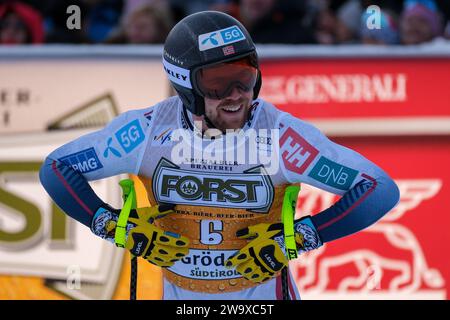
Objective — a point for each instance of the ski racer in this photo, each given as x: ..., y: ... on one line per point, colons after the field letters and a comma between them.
x: 215, y: 160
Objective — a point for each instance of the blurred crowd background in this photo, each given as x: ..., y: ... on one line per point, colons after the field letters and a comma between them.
x: 269, y: 21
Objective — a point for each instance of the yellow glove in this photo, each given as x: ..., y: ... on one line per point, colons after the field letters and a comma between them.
x: 265, y: 255
x: 262, y: 258
x: 159, y: 247
x: 144, y: 239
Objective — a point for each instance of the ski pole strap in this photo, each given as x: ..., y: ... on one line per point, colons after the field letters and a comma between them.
x: 287, y: 217
x: 129, y: 197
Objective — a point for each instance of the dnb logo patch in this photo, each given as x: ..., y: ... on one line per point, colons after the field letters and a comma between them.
x: 220, y: 38
x: 83, y: 161
x: 130, y: 136
x: 333, y: 174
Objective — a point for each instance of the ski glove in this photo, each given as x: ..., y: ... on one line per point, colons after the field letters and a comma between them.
x: 144, y: 239
x: 265, y: 255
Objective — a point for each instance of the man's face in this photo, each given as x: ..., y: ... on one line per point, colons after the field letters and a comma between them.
x: 254, y: 10
x: 415, y: 30
x: 142, y: 28
x: 230, y: 112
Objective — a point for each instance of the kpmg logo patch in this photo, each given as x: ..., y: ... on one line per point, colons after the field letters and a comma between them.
x: 83, y: 161
x: 333, y: 174
x: 130, y: 136
x: 296, y: 152
x: 220, y: 38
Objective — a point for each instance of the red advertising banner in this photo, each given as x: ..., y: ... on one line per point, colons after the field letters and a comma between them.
x: 358, y: 87
x: 405, y: 254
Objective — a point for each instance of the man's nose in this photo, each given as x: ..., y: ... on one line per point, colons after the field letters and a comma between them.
x: 235, y: 93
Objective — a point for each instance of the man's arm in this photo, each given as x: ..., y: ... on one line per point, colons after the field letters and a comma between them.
x: 116, y: 149
x: 308, y: 156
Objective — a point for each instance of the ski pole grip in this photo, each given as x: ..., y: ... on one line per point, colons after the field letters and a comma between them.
x: 287, y: 217
x: 129, y: 198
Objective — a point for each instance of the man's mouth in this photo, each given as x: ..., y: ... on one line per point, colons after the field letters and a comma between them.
x: 232, y: 108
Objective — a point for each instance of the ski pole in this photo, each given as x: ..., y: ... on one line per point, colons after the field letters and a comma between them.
x: 287, y: 217
x: 129, y: 198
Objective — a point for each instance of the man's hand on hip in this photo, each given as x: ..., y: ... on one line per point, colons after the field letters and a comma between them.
x: 144, y: 239
x: 265, y: 255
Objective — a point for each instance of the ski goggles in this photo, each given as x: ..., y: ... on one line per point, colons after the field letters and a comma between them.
x: 218, y: 81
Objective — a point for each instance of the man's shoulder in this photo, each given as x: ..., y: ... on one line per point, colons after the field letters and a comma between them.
x: 285, y: 120
x: 172, y: 101
x: 151, y: 111
x: 169, y: 102
x: 267, y: 107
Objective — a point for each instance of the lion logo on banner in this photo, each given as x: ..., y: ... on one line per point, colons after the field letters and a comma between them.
x: 385, y: 261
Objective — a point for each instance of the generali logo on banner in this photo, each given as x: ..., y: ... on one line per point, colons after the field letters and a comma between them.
x: 358, y: 87
x: 337, y: 88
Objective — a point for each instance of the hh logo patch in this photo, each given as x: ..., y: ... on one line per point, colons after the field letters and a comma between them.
x: 220, y: 38
x: 130, y: 136
x: 296, y: 152
x: 83, y: 161
x: 333, y: 174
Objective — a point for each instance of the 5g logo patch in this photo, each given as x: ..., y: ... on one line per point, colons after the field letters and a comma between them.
x: 220, y: 38
x: 130, y: 136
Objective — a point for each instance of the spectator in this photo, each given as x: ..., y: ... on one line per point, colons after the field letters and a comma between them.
x: 182, y: 8
x: 275, y: 21
x: 20, y: 24
x: 335, y: 21
x: 447, y: 31
x: 143, y: 24
x: 325, y: 26
x: 347, y: 24
x: 420, y: 22
x: 131, y: 5
x: 103, y: 17
x: 388, y: 32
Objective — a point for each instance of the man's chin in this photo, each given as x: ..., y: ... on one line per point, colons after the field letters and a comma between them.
x: 232, y: 121
x: 231, y: 125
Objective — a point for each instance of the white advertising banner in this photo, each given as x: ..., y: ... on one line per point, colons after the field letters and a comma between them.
x: 36, y: 93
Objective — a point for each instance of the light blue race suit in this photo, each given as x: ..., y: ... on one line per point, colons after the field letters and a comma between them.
x: 219, y: 186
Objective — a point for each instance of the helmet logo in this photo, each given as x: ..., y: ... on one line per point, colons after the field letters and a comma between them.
x: 177, y: 74
x: 220, y: 38
x: 210, y: 38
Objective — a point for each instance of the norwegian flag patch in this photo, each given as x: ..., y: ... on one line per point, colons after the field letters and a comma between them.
x: 228, y: 50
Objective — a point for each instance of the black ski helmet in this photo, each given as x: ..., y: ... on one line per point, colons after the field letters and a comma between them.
x: 200, y: 39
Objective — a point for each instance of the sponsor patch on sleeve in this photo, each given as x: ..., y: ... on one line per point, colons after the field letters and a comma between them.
x: 130, y: 136
x: 296, y: 152
x: 83, y: 161
x: 333, y: 174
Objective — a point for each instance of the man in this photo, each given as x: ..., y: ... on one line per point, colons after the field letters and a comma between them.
x: 217, y: 231
x: 420, y: 22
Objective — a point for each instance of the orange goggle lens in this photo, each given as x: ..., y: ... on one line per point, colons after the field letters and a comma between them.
x: 218, y: 81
